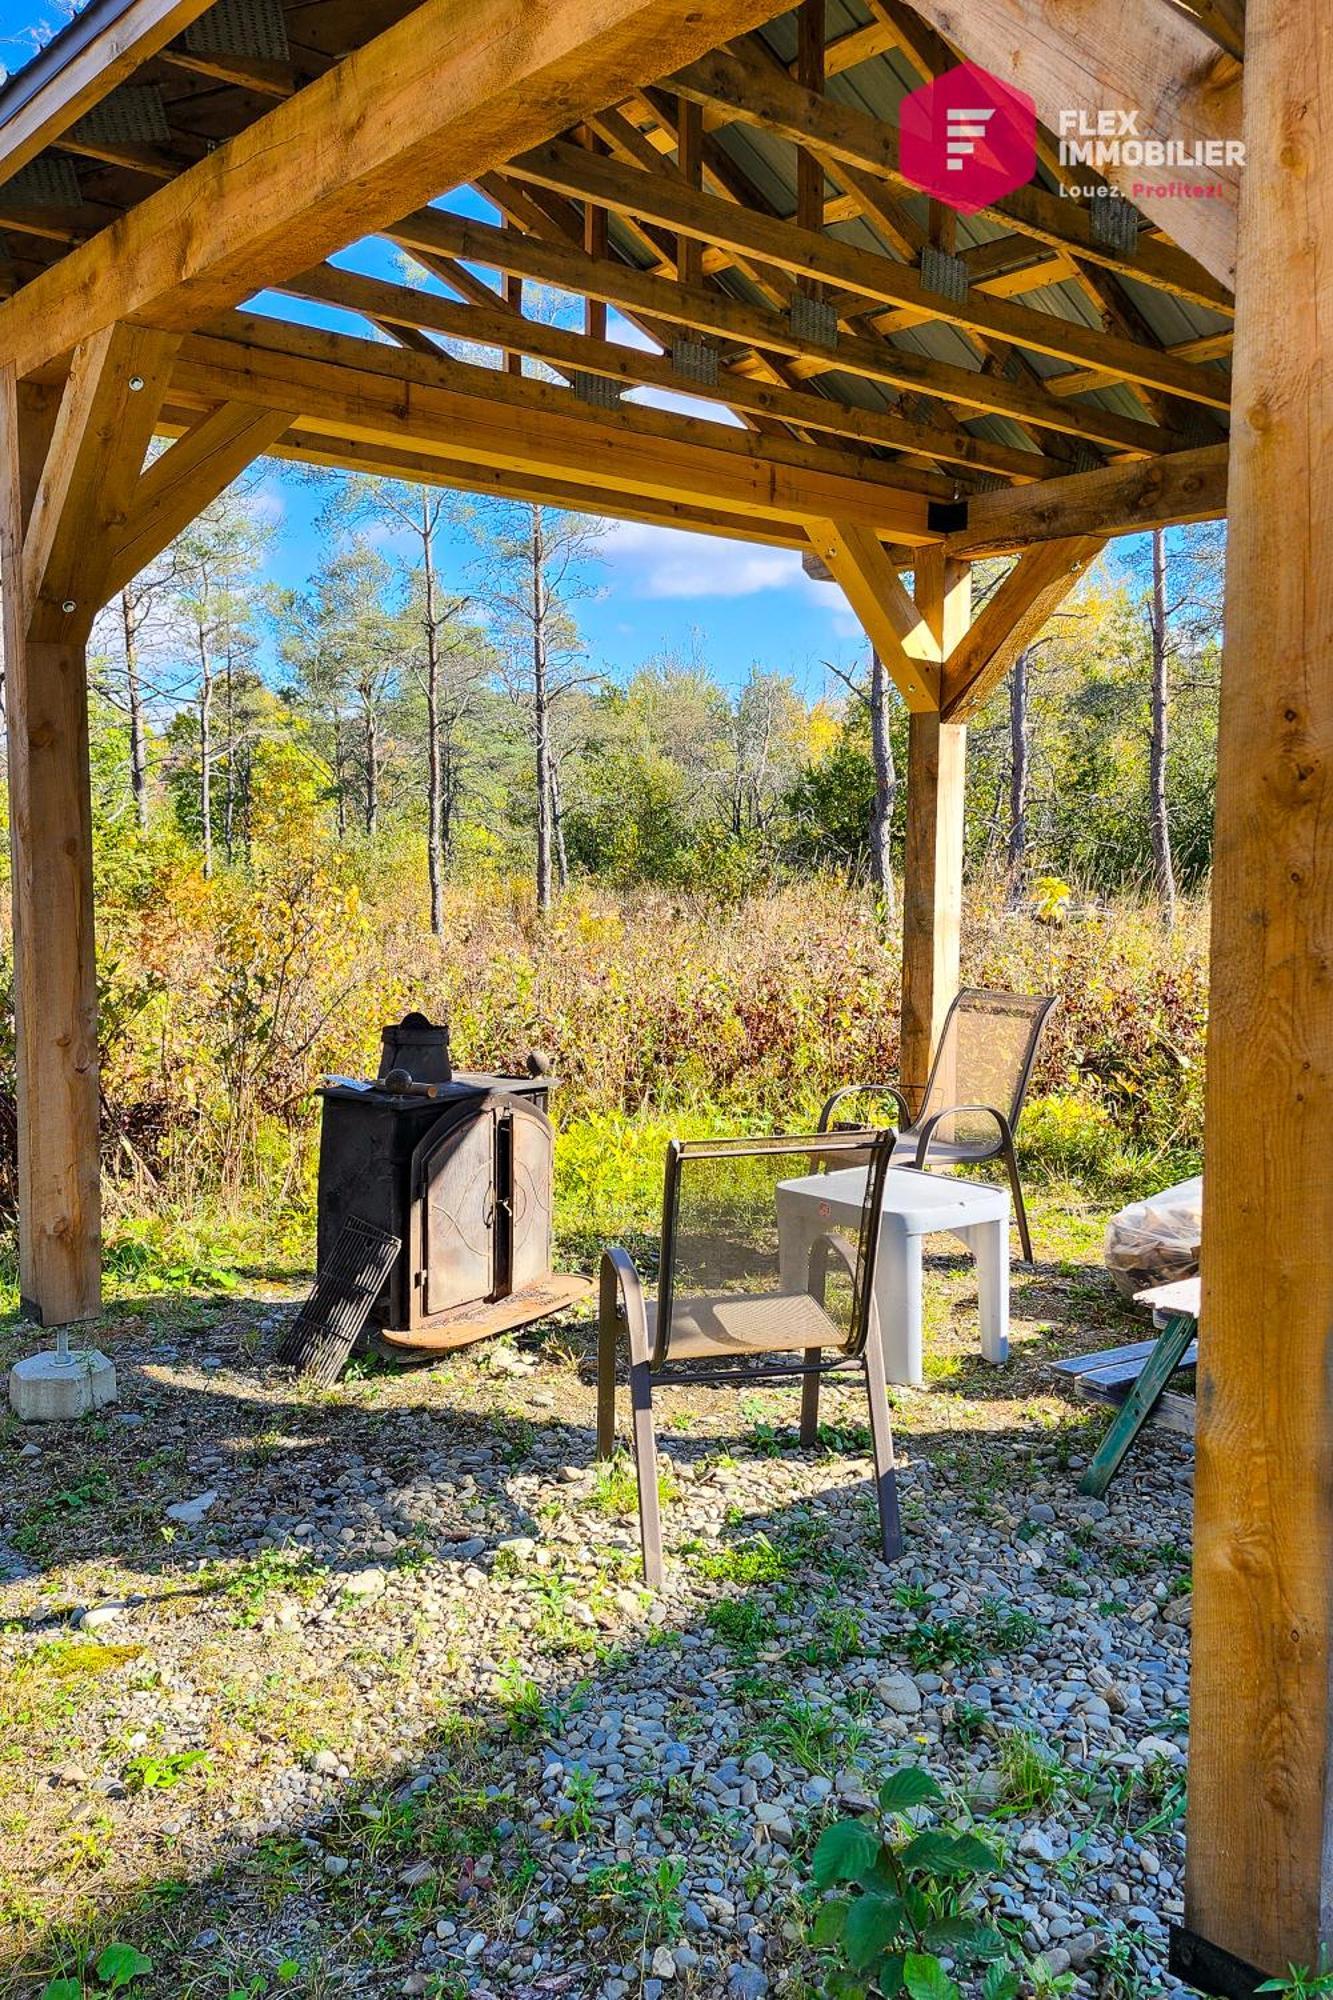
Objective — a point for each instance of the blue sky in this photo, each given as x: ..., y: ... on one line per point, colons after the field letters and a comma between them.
x: 654, y: 589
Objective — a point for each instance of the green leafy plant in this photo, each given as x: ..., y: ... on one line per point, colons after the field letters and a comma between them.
x: 1300, y: 1983
x: 158, y: 1771
x: 909, y: 1901
x: 117, y: 1969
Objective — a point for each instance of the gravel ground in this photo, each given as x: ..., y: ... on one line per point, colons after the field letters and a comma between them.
x: 380, y: 1707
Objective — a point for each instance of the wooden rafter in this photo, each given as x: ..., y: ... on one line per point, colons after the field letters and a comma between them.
x: 1112, y: 500
x: 1090, y: 53
x: 375, y: 299
x: 429, y: 103
x: 567, y: 170
x: 893, y: 624
x: 436, y: 231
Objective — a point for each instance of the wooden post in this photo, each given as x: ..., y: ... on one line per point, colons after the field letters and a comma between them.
x: 55, y: 978
x: 1259, y: 1871
x: 933, y: 861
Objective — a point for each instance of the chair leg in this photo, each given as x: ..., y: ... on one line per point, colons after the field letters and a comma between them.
x: 1020, y: 1206
x: 608, y: 1339
x: 881, y: 1444
x: 810, y: 1398
x: 645, y: 1466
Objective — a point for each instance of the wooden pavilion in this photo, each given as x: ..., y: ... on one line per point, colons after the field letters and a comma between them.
x: 909, y: 389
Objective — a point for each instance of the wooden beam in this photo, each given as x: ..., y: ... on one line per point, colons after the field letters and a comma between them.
x: 448, y: 91
x: 1259, y: 1868
x: 184, y: 480
x: 933, y: 854
x: 738, y: 84
x: 568, y: 170
x: 386, y: 460
x: 1010, y: 620
x: 88, y: 67
x: 116, y: 384
x: 894, y: 626
x: 1086, y: 54
x: 494, y: 327
x: 55, y: 976
x: 436, y: 232
x: 362, y: 389
x: 1114, y: 500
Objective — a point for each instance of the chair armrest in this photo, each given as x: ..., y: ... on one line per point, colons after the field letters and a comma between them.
x: 926, y: 1133
x: 621, y: 1297
x: 863, y: 1090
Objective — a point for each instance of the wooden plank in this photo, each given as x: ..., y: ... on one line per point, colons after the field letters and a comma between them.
x: 179, y: 484
x: 933, y: 854
x: 1083, y: 1364
x: 55, y: 978
x: 1115, y: 499
x: 436, y: 232
x: 360, y: 389
x: 1010, y: 620
x: 568, y: 170
x: 1086, y: 54
x: 1259, y: 1866
x: 453, y: 88
x: 737, y: 83
x: 492, y: 326
x: 90, y: 70
x: 892, y: 623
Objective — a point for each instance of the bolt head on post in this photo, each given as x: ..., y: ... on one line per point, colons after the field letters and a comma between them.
x: 69, y: 607
x: 136, y: 383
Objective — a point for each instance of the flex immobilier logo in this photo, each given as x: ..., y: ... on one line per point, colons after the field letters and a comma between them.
x: 968, y: 138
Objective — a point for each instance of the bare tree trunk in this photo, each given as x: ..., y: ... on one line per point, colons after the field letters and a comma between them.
x: 1019, y: 742
x: 1159, y: 823
x: 206, y: 751
x: 541, y: 710
x: 134, y: 694
x: 229, y: 802
x: 372, y: 743
x: 434, y: 762
x: 886, y: 788
x: 558, y: 827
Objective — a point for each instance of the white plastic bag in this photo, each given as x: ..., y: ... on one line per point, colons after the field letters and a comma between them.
x: 1152, y: 1242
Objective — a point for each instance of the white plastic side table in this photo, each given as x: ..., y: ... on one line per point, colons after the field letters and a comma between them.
x: 915, y: 1205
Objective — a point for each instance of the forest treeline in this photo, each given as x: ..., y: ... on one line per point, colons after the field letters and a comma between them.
x: 429, y: 689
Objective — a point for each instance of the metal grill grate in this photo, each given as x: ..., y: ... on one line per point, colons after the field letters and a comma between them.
x: 241, y: 28
x: 1115, y: 223
x: 46, y: 182
x: 943, y: 274
x: 813, y: 319
x: 324, y: 1332
x: 133, y: 115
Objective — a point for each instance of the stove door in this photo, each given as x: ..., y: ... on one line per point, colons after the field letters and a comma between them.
x: 456, y: 1201
x: 531, y: 1147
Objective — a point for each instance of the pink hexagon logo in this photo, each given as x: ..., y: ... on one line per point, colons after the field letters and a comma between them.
x: 968, y: 138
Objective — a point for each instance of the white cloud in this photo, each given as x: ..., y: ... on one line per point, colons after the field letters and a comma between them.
x: 671, y: 562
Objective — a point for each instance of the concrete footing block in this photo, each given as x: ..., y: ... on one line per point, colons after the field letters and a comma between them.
x: 52, y: 1388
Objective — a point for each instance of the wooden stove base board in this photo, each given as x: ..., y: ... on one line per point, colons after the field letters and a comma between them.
x: 484, y: 1321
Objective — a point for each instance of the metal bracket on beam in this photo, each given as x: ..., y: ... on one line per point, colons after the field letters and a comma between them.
x: 49, y: 181
x: 241, y: 28
x: 1115, y: 223
x: 944, y: 274
x: 603, y: 392
x: 695, y: 361
x: 134, y: 115
x: 946, y: 517
x: 813, y: 319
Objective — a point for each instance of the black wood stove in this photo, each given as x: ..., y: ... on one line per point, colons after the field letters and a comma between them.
x: 459, y: 1166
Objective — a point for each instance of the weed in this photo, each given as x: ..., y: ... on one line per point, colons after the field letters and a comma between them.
x: 1032, y: 1775
x: 161, y: 1771
x: 579, y: 1806
x: 740, y: 1622
x: 273, y: 1573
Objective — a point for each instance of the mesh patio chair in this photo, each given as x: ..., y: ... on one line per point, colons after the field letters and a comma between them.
x: 731, y: 1305
x: 974, y: 1096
